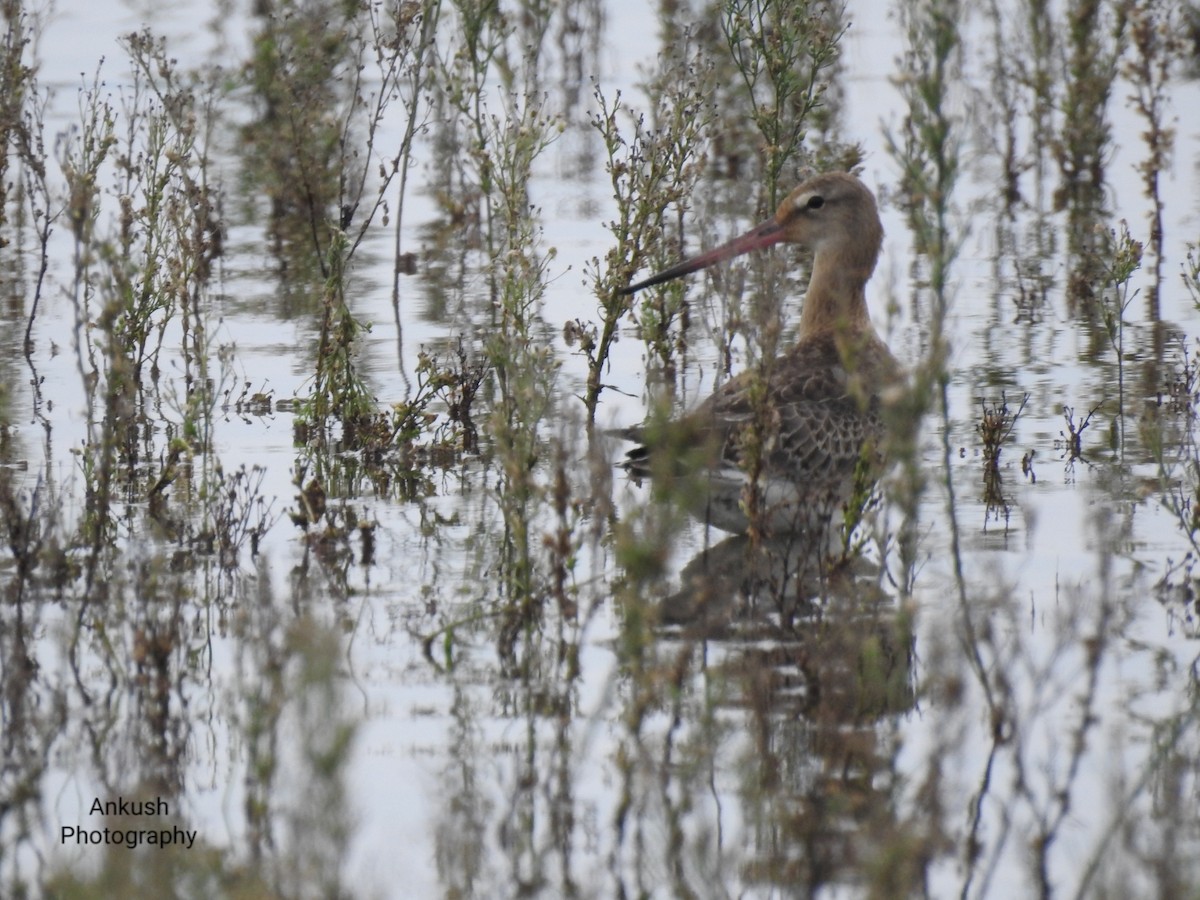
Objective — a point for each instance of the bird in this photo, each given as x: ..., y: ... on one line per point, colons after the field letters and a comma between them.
x: 783, y: 451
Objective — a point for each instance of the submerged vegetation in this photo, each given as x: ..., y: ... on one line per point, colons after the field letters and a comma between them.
x: 586, y: 690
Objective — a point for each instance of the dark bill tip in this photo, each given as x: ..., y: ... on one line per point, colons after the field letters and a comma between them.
x: 766, y: 234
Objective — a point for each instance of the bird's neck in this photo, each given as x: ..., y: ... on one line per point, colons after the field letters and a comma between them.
x: 836, y: 300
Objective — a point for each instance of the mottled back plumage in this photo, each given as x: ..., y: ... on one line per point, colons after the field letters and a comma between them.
x: 815, y: 431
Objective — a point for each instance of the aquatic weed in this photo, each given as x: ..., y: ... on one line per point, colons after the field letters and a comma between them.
x: 653, y: 172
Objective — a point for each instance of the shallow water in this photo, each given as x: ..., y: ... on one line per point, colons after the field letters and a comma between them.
x: 450, y: 681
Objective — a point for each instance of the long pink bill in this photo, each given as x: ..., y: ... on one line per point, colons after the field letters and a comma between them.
x: 763, y: 235
x: 766, y: 234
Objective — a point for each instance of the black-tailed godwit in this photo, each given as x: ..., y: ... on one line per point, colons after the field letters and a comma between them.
x: 819, y: 425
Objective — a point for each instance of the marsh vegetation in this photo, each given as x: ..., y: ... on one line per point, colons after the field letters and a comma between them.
x: 313, y: 347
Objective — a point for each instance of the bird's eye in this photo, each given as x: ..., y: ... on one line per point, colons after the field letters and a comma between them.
x: 816, y: 201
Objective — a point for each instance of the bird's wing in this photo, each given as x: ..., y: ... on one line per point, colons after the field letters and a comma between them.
x: 812, y: 421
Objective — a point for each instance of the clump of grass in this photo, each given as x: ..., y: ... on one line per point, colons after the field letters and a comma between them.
x: 415, y: 24
x: 1023, y: 89
x: 480, y: 57
x: 30, y: 526
x: 454, y: 384
x: 18, y: 80
x: 682, y: 114
x: 653, y: 173
x: 1021, y: 99
x: 928, y: 149
x: 1155, y: 46
x: 995, y: 426
x: 339, y: 392
x: 395, y: 448
x: 141, y: 281
x: 320, y: 164
x: 82, y: 161
x: 22, y: 131
x: 142, y: 212
x: 496, y: 145
x: 241, y: 514
x: 525, y: 367
x: 143, y: 271
x: 929, y: 146
x: 1121, y: 258
x: 168, y: 243
x: 1094, y: 37
x: 298, y: 77
x: 783, y: 52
